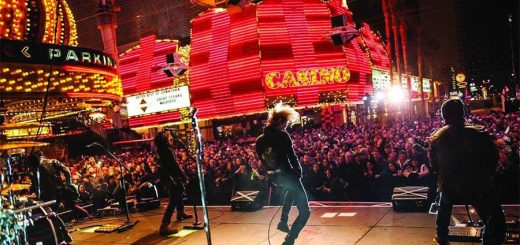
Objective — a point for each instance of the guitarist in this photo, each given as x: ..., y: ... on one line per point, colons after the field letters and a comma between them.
x: 274, y: 148
x: 47, y: 184
x: 465, y: 158
x: 172, y: 178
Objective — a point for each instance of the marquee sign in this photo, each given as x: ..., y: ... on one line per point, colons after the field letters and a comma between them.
x: 309, y: 77
x: 158, y: 101
x: 46, y: 54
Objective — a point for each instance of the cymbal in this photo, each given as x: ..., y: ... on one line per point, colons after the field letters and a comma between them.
x: 21, y: 144
x: 15, y: 188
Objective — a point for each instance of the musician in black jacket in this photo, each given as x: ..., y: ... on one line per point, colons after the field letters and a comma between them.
x: 172, y: 179
x: 274, y: 148
x: 47, y: 185
x: 464, y: 158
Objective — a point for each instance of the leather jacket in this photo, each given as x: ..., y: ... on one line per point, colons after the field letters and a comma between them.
x: 168, y: 166
x: 464, y: 158
x: 47, y: 178
x: 274, y: 148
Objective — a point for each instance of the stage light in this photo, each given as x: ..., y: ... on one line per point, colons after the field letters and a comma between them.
x: 379, y: 96
x: 396, y: 95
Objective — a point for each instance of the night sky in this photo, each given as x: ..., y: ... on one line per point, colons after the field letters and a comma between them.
x: 473, y: 36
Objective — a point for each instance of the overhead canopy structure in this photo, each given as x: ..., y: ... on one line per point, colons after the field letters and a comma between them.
x: 39, y: 54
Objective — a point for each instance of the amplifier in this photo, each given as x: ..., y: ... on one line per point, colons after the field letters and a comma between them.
x: 148, y: 204
x: 247, y: 201
x: 410, y: 199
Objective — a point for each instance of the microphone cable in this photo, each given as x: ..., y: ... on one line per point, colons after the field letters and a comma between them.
x: 272, y: 218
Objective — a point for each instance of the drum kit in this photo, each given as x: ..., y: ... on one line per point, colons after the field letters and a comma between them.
x: 23, y: 220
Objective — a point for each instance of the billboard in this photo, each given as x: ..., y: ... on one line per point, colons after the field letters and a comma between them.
x: 381, y: 79
x: 161, y: 100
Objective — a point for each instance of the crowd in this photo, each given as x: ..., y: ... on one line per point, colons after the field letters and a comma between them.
x: 361, y: 162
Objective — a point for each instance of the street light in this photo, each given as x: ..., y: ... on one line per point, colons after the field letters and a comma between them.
x: 510, y: 20
x: 379, y: 96
x: 396, y: 95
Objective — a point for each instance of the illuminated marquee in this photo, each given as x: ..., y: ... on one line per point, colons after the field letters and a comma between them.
x: 309, y: 77
x: 158, y: 101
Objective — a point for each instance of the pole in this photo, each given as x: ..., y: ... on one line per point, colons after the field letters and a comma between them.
x: 402, y: 32
x: 513, y: 72
x: 198, y: 138
x: 388, y: 33
x: 419, y: 68
x: 393, y: 11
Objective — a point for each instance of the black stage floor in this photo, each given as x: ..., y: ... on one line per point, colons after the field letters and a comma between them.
x: 330, y: 223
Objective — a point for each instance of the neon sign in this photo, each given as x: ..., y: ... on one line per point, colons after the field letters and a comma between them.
x: 309, y: 77
x: 71, y: 55
x: 45, y: 54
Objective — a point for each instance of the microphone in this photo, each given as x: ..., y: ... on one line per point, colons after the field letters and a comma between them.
x: 93, y: 144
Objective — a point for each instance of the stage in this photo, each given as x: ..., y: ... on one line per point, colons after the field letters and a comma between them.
x: 330, y: 223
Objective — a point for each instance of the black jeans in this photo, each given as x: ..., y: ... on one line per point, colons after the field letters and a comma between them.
x: 293, y: 187
x: 286, y: 206
x: 488, y: 209
x: 174, y: 199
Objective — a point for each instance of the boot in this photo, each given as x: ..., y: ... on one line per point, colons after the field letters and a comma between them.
x: 282, y: 226
x: 165, y: 230
x: 288, y: 240
x: 441, y: 241
x: 183, y: 216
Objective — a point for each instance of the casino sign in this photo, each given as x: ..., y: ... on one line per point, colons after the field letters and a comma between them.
x: 308, y: 77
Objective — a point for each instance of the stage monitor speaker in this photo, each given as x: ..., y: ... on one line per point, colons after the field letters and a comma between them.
x: 247, y: 201
x: 338, y: 20
x: 147, y: 197
x: 410, y: 199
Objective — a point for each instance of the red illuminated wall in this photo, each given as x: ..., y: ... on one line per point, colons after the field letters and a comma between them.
x: 140, y: 69
x: 374, y: 44
x: 231, y: 54
x: 293, y: 36
x: 225, y: 77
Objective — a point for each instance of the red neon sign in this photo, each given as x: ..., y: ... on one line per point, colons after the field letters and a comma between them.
x: 283, y: 43
x: 140, y: 69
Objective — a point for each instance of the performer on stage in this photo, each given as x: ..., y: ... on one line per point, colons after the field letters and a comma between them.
x: 464, y: 158
x: 274, y: 147
x: 47, y: 184
x: 173, y: 180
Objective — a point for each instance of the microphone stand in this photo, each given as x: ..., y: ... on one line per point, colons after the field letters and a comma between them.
x: 198, y: 138
x: 128, y: 224
x: 10, y: 177
x: 196, y: 224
